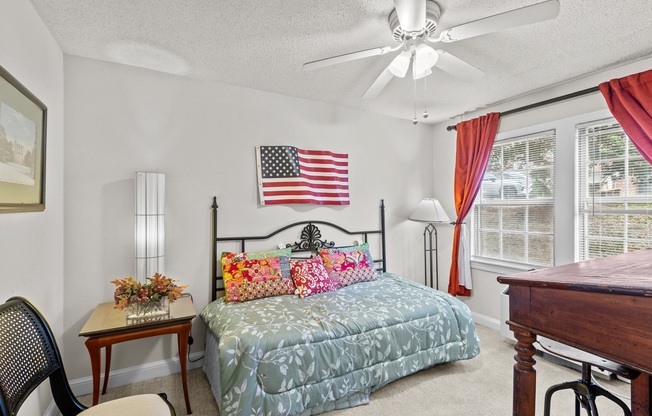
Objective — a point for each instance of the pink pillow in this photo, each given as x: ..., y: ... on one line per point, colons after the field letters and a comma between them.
x: 349, y: 265
x: 310, y: 277
x: 248, y: 278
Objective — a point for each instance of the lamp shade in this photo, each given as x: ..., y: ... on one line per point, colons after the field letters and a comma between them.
x: 417, y: 75
x: 150, y: 224
x: 429, y: 210
x: 424, y: 58
x: 400, y: 64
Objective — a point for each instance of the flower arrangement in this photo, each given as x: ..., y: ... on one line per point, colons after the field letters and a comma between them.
x: 129, y: 291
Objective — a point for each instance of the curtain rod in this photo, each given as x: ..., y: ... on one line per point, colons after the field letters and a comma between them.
x: 542, y: 103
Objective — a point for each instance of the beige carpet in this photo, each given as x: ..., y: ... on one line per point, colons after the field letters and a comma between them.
x: 480, y: 386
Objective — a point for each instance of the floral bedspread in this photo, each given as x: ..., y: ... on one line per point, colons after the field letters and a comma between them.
x: 286, y: 355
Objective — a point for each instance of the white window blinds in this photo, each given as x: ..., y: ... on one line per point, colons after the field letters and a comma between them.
x: 513, y: 217
x: 614, y: 192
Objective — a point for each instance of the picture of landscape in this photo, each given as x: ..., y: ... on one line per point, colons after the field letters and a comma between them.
x: 17, y: 147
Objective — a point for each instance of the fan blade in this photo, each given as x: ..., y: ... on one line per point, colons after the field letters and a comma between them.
x: 457, y: 67
x: 411, y: 14
x: 320, y: 63
x: 518, y: 17
x: 378, y: 85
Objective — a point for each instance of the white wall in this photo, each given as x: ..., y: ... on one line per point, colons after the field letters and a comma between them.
x: 31, y: 244
x: 202, y: 135
x: 485, y: 299
x: 119, y: 120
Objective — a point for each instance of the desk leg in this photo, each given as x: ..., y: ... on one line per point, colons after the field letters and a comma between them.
x: 182, y: 340
x: 94, y: 351
x: 641, y: 392
x: 107, y: 368
x: 525, y: 376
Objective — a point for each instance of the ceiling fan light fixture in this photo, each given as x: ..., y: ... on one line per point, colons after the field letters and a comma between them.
x: 412, y: 24
x: 400, y: 64
x: 419, y: 75
x: 425, y: 58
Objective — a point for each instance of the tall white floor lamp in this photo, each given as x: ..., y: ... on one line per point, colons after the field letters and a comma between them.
x: 150, y: 224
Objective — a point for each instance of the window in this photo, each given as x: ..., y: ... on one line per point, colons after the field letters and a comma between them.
x: 513, y: 216
x: 615, y: 192
x: 564, y: 191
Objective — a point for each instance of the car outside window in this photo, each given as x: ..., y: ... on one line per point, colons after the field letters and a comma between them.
x: 513, y: 216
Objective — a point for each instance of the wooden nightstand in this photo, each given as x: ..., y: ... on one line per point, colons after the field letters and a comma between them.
x: 107, y: 326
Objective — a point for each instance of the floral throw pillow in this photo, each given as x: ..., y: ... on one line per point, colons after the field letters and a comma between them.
x: 284, y: 254
x: 349, y: 265
x: 363, y: 246
x: 310, y: 277
x: 247, y: 277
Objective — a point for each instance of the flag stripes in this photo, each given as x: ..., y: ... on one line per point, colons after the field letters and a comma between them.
x: 288, y: 175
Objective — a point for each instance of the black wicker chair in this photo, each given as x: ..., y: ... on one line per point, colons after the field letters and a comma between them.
x: 29, y: 355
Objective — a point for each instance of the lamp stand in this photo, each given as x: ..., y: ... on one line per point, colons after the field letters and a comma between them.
x: 428, y: 250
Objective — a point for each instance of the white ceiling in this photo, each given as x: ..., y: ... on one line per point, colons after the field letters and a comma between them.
x: 263, y: 44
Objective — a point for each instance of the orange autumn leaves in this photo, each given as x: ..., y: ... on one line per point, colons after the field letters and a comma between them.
x: 130, y: 291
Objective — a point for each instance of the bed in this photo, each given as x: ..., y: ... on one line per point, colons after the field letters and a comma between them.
x: 287, y: 355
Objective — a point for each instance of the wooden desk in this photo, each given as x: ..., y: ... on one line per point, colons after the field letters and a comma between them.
x: 603, y: 306
x: 107, y: 326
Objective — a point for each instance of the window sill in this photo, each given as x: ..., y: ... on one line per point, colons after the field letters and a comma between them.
x: 499, y: 267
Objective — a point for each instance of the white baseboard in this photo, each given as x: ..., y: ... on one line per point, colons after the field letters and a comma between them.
x: 485, y: 320
x: 52, y: 410
x: 84, y: 385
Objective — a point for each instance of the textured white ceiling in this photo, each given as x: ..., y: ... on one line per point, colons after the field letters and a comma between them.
x: 263, y: 44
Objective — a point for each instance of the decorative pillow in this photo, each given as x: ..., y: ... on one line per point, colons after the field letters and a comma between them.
x: 254, y: 275
x: 349, y: 265
x: 310, y: 277
x: 284, y: 254
x: 363, y: 246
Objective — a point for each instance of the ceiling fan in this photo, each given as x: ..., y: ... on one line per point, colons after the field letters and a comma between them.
x: 413, y: 24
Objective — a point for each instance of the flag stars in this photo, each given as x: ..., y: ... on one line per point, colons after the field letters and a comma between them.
x: 279, y: 161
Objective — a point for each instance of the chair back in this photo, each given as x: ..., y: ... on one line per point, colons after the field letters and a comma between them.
x: 28, y: 353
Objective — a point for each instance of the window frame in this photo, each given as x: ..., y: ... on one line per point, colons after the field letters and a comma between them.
x: 587, y: 204
x: 505, y: 203
x: 566, y: 210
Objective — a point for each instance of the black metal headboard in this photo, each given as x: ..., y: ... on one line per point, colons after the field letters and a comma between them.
x: 311, y: 241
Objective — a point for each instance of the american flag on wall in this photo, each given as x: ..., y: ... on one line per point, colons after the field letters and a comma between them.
x: 289, y: 175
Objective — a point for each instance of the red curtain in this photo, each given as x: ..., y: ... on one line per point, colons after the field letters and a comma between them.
x: 630, y: 101
x: 475, y: 139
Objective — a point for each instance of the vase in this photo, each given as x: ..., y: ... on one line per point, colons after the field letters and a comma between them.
x: 150, y: 311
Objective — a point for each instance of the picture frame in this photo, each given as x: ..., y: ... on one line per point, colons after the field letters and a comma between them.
x: 23, y: 122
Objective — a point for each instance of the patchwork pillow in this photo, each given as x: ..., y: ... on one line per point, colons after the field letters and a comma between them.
x: 254, y: 275
x: 349, y: 265
x: 363, y: 246
x: 310, y: 277
x: 284, y: 254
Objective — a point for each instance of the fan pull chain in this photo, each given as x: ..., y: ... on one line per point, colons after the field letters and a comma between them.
x: 414, y: 120
x: 425, y: 97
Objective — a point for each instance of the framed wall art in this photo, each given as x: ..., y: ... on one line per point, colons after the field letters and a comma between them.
x: 23, y: 120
